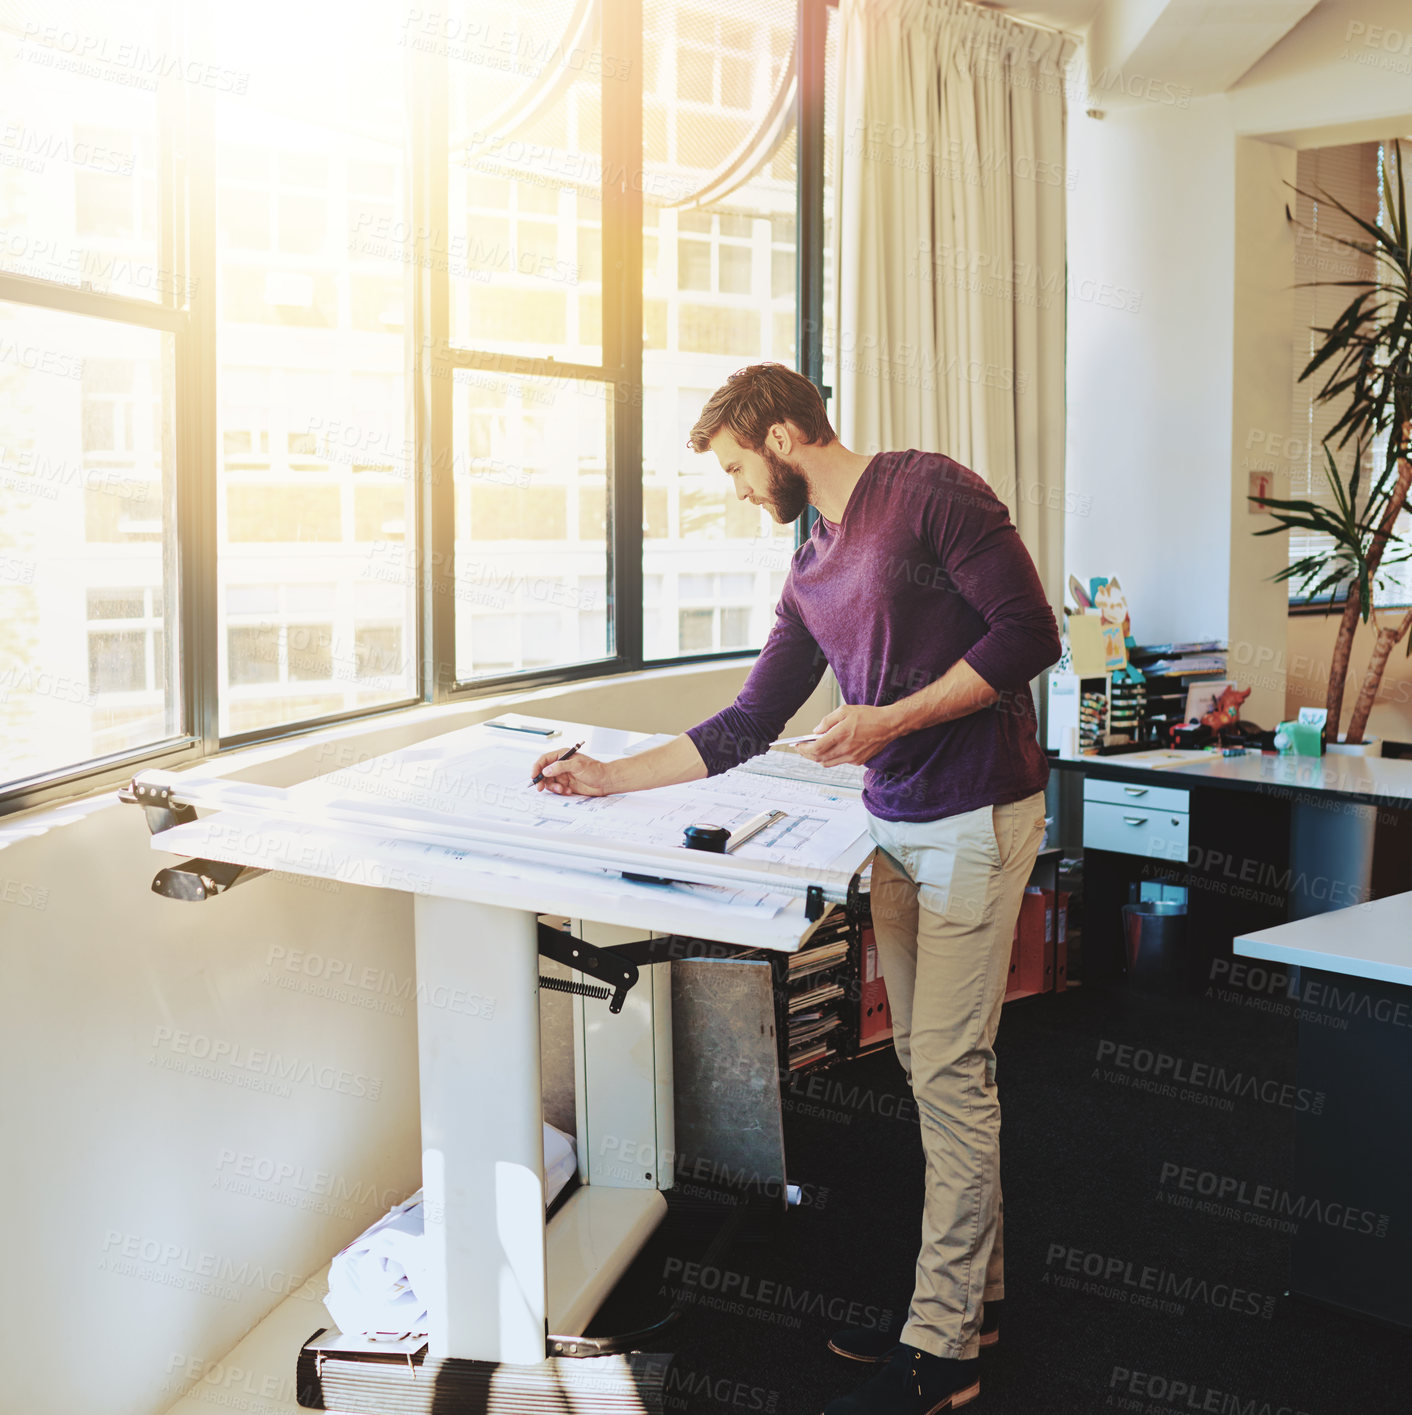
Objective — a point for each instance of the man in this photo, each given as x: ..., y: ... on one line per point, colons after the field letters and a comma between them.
x: 914, y: 587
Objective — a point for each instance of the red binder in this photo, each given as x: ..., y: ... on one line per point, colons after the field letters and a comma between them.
x: 1036, y: 941
x: 874, y: 1016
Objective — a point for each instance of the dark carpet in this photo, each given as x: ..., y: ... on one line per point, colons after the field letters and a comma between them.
x: 1104, y: 1210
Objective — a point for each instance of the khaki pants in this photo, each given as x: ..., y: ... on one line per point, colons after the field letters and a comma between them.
x: 945, y: 897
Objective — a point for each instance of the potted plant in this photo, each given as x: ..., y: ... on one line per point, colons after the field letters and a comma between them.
x: 1362, y: 547
x: 1365, y: 357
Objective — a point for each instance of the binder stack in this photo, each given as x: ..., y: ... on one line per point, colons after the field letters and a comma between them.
x: 813, y: 995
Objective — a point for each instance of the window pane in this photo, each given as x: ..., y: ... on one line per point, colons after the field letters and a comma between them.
x: 721, y: 273
x: 735, y: 628
x: 524, y: 251
x: 78, y: 147
x: 83, y: 541
x: 315, y: 487
x: 254, y: 654
x: 117, y: 663
x: 115, y: 604
x: 530, y: 471
x: 830, y: 332
x: 695, y: 630
x: 735, y: 271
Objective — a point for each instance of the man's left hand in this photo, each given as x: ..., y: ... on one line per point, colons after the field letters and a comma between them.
x: 851, y: 736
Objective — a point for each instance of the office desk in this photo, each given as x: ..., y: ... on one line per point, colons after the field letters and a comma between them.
x: 1256, y: 839
x: 1350, y: 974
x: 450, y: 822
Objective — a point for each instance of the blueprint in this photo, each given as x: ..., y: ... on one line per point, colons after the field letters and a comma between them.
x: 486, y: 782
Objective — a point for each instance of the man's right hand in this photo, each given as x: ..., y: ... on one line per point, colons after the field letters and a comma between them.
x: 578, y: 776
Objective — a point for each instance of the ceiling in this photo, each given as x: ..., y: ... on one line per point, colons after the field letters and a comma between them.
x: 1188, y: 47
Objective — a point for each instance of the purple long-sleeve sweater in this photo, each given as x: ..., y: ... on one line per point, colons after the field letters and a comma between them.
x: 924, y: 568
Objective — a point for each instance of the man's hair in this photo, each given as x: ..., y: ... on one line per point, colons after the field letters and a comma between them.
x: 752, y: 400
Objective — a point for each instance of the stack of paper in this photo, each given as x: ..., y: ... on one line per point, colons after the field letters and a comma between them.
x: 815, y: 990
x: 377, y: 1285
x: 814, y: 960
x: 790, y: 766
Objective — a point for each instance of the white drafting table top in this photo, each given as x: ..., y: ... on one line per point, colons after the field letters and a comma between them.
x: 1387, y: 780
x: 1372, y: 940
x: 397, y: 822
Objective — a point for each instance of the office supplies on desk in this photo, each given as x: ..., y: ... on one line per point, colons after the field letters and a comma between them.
x: 1300, y: 739
x: 753, y: 827
x: 527, y: 729
x: 701, y: 836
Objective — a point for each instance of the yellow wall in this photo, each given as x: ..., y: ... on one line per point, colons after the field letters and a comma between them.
x: 1309, y: 646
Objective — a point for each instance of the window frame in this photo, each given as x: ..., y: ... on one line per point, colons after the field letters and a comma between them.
x: 187, y: 312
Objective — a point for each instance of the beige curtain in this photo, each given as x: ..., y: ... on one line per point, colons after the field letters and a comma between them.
x: 949, y: 246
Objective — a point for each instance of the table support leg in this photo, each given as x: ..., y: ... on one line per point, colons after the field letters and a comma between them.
x: 1331, y: 856
x: 482, y: 1135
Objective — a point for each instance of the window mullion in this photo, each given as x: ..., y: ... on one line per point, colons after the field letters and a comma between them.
x: 811, y: 34
x: 622, y: 313
x: 196, y: 365
x: 429, y: 381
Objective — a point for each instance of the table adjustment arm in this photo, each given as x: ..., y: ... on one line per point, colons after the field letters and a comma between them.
x: 605, y: 964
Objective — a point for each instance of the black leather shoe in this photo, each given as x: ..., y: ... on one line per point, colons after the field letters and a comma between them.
x: 912, y: 1382
x: 869, y: 1345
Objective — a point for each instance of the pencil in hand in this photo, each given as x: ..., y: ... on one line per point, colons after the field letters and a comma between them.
x: 563, y: 757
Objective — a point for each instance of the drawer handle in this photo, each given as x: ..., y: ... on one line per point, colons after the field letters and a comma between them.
x: 1136, y: 820
x: 1136, y: 790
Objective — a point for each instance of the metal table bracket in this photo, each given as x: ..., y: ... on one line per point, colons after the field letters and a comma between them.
x: 606, y: 964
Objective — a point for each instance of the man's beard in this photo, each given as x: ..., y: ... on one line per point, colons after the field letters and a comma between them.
x: 788, y: 489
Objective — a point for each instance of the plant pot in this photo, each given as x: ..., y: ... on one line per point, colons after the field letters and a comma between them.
x: 1368, y: 747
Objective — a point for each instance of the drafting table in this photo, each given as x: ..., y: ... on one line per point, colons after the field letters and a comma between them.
x: 454, y: 821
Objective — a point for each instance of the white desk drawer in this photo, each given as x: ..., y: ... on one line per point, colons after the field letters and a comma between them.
x: 1125, y: 793
x: 1136, y: 829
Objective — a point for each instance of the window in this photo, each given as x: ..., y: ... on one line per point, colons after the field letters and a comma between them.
x: 439, y: 312
x: 84, y: 540
x: 1296, y: 463
x: 315, y: 486
x: 79, y: 180
x: 530, y: 467
x: 719, y: 261
x: 525, y: 168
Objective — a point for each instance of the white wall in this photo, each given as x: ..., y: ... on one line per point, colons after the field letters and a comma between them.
x: 135, y: 1247
x: 1261, y: 399
x: 1151, y: 240
x: 1184, y: 205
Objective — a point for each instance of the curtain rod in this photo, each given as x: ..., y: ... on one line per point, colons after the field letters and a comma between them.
x: 1021, y: 20
x: 1014, y: 19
